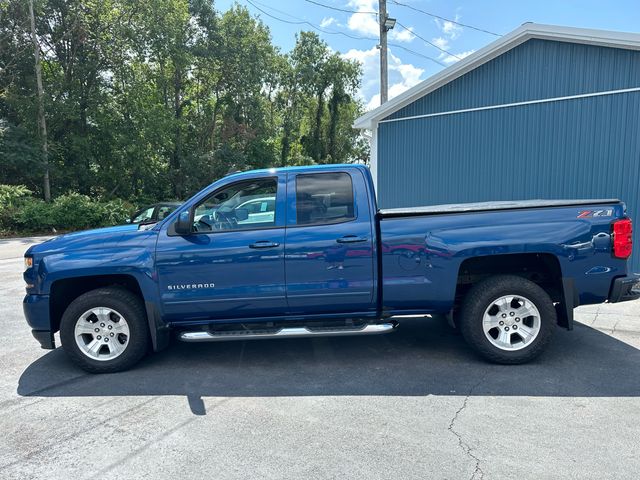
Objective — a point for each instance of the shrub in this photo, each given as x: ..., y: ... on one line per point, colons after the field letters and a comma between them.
x: 12, y: 194
x: 33, y: 215
x: 73, y: 211
x: 115, y: 212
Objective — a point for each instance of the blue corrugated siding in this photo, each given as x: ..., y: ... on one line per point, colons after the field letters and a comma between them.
x: 534, y: 70
x: 583, y: 148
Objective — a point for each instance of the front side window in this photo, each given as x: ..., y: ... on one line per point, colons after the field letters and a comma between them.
x: 323, y: 198
x: 240, y: 206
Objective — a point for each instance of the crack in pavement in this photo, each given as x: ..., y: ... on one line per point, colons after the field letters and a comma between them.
x: 466, y: 448
x: 613, y: 330
x: 596, y: 317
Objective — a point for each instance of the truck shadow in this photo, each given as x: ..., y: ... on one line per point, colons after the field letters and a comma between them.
x: 424, y: 357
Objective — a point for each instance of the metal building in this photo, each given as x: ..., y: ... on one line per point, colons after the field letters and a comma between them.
x: 543, y: 112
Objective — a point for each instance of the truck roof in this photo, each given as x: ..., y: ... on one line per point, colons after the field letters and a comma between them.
x: 303, y: 168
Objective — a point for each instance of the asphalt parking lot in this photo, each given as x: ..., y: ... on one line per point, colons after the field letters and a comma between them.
x: 413, y: 404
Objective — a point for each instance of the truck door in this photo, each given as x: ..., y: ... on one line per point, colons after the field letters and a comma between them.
x: 329, y: 252
x: 232, y: 264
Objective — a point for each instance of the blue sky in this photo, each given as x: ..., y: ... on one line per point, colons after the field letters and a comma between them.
x: 407, y: 68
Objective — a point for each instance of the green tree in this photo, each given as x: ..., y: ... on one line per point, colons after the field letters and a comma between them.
x: 153, y: 99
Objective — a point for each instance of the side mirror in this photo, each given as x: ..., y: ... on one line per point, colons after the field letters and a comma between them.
x: 183, y: 224
x: 241, y: 214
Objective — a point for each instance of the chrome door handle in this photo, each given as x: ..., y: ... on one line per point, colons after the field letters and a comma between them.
x: 351, y: 239
x: 264, y: 244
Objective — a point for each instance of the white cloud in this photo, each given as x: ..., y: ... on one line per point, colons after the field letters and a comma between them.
x: 450, y: 29
x: 402, y: 35
x: 410, y: 74
x: 327, y: 21
x: 441, y: 42
x: 374, y: 102
x: 361, y: 56
x: 366, y: 24
x: 370, y: 61
x: 450, y: 32
x: 450, y: 59
x: 402, y: 76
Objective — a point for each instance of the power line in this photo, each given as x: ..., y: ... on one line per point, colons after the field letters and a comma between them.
x: 395, y: 45
x: 400, y: 24
x: 339, y: 9
x: 302, y: 22
x: 321, y: 30
x: 427, y: 41
x: 466, y: 25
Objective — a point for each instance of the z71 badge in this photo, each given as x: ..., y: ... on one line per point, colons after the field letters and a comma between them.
x: 596, y: 213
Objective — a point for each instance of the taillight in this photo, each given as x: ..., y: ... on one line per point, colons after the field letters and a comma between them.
x: 622, y: 242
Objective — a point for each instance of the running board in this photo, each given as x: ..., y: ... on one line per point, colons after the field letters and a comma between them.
x: 288, y: 332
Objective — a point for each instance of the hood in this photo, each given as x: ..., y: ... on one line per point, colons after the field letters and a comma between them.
x: 90, y: 239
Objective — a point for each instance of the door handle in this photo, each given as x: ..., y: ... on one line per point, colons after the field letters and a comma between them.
x: 264, y: 244
x: 351, y: 239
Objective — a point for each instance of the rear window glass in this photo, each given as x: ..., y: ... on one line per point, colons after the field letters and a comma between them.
x: 324, y: 198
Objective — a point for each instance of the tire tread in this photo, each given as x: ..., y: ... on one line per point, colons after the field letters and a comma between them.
x: 475, y: 302
x: 138, y: 344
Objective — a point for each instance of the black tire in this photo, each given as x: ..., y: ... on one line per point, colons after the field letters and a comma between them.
x: 129, y: 306
x: 480, y: 298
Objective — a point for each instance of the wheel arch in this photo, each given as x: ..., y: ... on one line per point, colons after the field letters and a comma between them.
x: 66, y: 290
x: 544, y: 269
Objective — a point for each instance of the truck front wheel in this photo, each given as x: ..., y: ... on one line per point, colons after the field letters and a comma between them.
x: 105, y: 330
x: 508, y: 319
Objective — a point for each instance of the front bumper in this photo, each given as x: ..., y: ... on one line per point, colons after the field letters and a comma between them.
x: 624, y: 289
x: 36, y: 311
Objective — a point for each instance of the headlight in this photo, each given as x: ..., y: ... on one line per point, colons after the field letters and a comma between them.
x: 28, y: 263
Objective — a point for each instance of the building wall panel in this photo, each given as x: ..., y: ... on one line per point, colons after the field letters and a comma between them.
x: 579, y: 148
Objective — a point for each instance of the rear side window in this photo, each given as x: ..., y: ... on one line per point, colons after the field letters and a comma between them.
x: 324, y: 198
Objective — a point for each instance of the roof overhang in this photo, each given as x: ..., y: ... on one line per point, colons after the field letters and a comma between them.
x: 505, y: 43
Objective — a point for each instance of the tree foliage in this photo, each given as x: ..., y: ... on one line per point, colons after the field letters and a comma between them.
x: 153, y: 99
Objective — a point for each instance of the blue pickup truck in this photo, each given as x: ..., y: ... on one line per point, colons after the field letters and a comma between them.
x: 305, y: 252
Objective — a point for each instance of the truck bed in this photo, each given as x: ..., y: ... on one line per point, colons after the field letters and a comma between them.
x: 488, y: 206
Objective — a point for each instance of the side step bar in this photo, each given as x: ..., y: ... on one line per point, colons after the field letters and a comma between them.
x: 288, y: 332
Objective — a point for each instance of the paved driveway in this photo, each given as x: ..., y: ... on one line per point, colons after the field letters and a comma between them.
x: 413, y: 404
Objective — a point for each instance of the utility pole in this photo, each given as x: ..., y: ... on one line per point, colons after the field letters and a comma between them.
x: 42, y: 123
x: 384, y: 76
x: 386, y: 24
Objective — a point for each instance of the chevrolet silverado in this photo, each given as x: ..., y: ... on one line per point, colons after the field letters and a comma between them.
x: 305, y: 252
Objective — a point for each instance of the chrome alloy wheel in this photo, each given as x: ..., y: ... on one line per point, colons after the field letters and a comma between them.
x: 102, y: 333
x: 511, y: 322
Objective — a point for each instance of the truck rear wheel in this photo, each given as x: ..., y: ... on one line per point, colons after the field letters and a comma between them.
x: 105, y: 330
x: 508, y: 319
